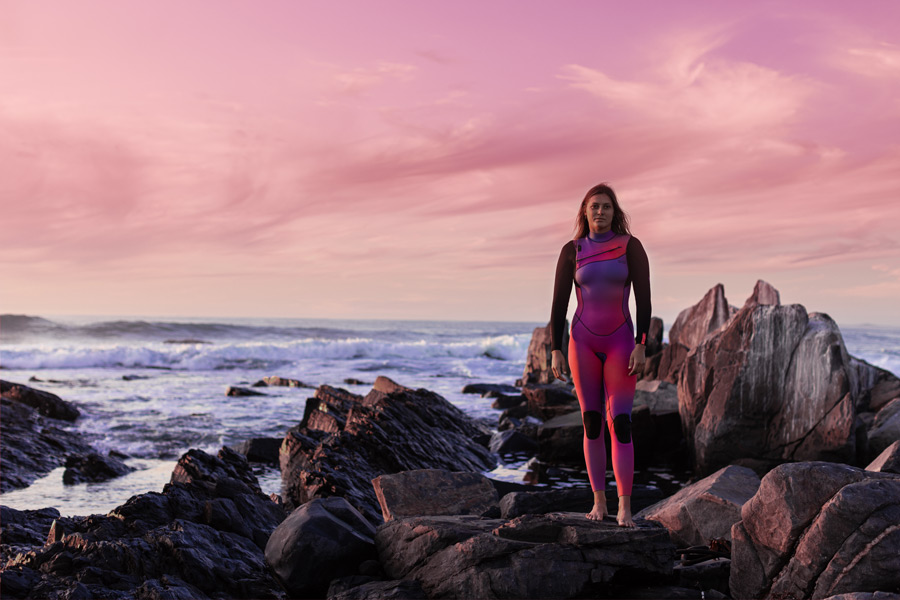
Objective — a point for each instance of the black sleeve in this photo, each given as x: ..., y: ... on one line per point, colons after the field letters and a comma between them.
x: 639, y: 273
x: 562, y: 289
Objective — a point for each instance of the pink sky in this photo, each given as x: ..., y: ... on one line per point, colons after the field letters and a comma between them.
x: 426, y: 160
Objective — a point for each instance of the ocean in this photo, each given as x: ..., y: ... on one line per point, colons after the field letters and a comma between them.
x: 152, y: 388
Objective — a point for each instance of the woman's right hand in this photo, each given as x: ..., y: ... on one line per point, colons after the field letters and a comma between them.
x: 558, y: 365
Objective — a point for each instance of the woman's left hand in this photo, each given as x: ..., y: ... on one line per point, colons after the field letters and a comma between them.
x: 637, y: 360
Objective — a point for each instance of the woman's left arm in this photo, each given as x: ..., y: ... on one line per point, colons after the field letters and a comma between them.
x: 639, y: 273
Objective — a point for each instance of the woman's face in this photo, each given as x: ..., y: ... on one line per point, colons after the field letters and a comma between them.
x: 599, y: 213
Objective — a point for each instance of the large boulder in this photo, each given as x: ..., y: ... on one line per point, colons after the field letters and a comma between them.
x: 45, y: 403
x: 93, y: 467
x: 345, y: 441
x: 203, y: 536
x: 434, y: 492
x: 559, y: 555
x: 537, y: 362
x: 322, y: 540
x: 817, y: 529
x: 33, y: 445
x: 707, y: 509
x: 772, y: 385
x: 885, y: 428
x: 549, y: 400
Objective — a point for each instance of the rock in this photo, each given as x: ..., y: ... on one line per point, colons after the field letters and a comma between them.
x: 537, y: 361
x: 391, y: 429
x: 533, y: 556
x: 93, y: 467
x: 241, y: 391
x: 549, y: 400
x: 888, y: 461
x: 434, y: 492
x: 763, y: 294
x: 324, y: 539
x: 865, y: 596
x: 561, y: 439
x: 885, y: 388
x: 263, y: 450
x: 33, y: 445
x: 773, y: 385
x: 354, y: 381
x: 885, y: 428
x: 489, y: 388
x: 516, y: 504
x: 654, y: 337
x: 503, y: 401
x: 512, y: 442
x: 404, y: 589
x: 816, y: 529
x: 202, y: 537
x: 707, y: 509
x: 276, y: 381
x: 671, y: 361
x: 45, y: 403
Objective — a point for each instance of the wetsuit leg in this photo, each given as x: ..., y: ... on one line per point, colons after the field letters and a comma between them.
x: 620, y: 390
x: 587, y: 374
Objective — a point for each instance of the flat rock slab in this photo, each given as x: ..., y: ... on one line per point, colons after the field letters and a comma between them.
x: 888, y: 461
x: 559, y: 555
x: 422, y: 492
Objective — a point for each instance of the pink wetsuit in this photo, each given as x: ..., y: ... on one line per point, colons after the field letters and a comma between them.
x: 603, y: 268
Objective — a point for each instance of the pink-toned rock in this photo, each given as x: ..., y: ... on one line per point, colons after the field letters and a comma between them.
x: 885, y: 428
x: 707, y: 509
x: 773, y: 384
x: 434, y: 492
x: 763, y: 294
x: 693, y: 324
x: 549, y: 400
x: 795, y: 535
x: 888, y: 461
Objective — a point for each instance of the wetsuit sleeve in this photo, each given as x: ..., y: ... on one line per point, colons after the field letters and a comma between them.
x: 639, y: 273
x: 562, y: 289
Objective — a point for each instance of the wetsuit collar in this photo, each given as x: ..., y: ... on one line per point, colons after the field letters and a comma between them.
x: 603, y: 237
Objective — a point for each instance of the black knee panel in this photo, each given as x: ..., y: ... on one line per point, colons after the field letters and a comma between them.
x: 593, y: 424
x: 622, y: 427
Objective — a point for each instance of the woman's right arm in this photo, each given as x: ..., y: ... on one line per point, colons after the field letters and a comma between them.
x: 562, y: 289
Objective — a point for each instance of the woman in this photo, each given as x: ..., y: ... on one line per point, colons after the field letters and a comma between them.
x: 605, y: 351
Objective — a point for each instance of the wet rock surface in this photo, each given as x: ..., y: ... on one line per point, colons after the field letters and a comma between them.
x: 33, y: 445
x: 202, y: 537
x: 45, y: 403
x: 93, y: 467
x: 559, y: 555
x: 347, y: 440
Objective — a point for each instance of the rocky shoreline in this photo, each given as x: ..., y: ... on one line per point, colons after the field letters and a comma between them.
x: 795, y: 446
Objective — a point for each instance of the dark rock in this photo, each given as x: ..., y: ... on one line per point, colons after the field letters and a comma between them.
x: 488, y: 388
x: 391, y: 429
x: 708, y: 575
x: 537, y: 361
x: 817, y: 529
x: 322, y: 540
x: 434, y: 492
x: 533, y: 556
x: 33, y: 445
x: 134, y: 377
x: 263, y: 450
x: 202, y: 537
x: 888, y: 461
x: 654, y: 337
x: 405, y: 589
x: 511, y: 442
x: 241, y: 391
x: 561, y: 439
x: 502, y: 401
x: 516, y: 504
x: 772, y: 384
x: 546, y: 401
x: 354, y: 381
x: 866, y: 596
x: 707, y: 509
x: 885, y: 428
x: 93, y: 467
x: 45, y: 403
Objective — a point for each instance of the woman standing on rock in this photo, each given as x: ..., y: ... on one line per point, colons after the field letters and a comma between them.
x: 605, y: 352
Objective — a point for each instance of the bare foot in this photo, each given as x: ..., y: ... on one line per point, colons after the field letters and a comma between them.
x: 624, y: 517
x: 599, y: 511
